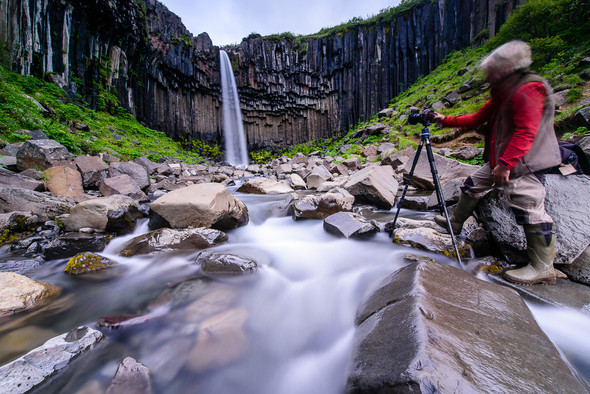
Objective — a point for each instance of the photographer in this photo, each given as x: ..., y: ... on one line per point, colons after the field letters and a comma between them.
x: 520, y: 144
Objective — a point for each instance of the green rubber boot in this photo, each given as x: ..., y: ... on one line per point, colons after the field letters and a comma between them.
x: 463, y: 210
x: 540, y: 240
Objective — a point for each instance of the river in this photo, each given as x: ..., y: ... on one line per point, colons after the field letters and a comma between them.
x: 300, y: 308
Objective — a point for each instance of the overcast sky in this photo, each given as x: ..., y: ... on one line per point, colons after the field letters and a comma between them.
x: 228, y: 21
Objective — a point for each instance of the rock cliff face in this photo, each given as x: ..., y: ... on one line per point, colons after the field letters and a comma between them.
x: 142, y: 53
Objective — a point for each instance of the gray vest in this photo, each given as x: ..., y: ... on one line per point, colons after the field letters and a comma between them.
x: 545, y: 151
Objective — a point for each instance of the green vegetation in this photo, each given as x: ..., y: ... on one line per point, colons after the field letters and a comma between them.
x: 84, y: 131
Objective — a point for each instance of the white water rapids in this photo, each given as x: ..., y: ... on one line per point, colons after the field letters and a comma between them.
x: 301, y: 306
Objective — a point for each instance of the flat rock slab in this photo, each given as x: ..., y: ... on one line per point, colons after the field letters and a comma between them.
x: 433, y: 328
x: 565, y: 293
x: 39, y: 365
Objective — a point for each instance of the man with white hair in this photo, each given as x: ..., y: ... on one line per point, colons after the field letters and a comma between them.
x: 520, y: 145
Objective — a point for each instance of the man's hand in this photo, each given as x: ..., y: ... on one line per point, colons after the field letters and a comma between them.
x: 438, y: 118
x: 501, y: 175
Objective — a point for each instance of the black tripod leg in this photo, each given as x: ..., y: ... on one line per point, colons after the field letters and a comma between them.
x: 401, y: 199
x: 441, y: 198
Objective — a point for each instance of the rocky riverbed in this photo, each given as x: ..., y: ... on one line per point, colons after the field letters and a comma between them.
x: 175, y: 241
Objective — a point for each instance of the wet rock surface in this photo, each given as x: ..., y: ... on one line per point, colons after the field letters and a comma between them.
x: 19, y: 293
x: 40, y: 364
x: 424, y: 331
x: 166, y: 239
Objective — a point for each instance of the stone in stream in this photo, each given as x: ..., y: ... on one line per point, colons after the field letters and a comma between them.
x: 19, y: 293
x: 132, y: 377
x: 166, y: 239
x: 435, y: 328
x: 323, y: 205
x: 375, y: 185
x: 72, y: 243
x: 87, y: 262
x: 208, y: 205
x: 349, y: 225
x: 226, y: 264
x: 46, y: 362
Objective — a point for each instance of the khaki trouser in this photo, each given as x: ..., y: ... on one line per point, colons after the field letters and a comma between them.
x: 525, y: 194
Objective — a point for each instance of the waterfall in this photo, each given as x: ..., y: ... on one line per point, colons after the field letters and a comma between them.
x: 236, y: 152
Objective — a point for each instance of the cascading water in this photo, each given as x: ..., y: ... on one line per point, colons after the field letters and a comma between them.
x: 300, y: 306
x: 236, y: 151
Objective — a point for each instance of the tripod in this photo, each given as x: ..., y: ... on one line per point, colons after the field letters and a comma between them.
x: 425, y: 140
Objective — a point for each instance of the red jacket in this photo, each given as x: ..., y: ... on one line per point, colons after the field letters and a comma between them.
x: 527, y: 109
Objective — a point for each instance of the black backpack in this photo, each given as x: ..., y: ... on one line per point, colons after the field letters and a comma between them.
x: 573, y: 154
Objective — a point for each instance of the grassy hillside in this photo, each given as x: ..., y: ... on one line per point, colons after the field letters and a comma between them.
x: 28, y: 103
x: 558, y: 31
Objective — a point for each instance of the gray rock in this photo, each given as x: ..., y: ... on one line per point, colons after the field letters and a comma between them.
x: 45, y: 362
x: 466, y: 153
x: 73, y: 243
x: 579, y: 269
x: 448, y: 169
x: 451, y: 191
x: 146, y: 163
x: 418, y: 202
x: 12, y: 179
x: 41, y: 204
x: 114, y: 213
x: 427, y: 235
x: 318, y: 176
x: 423, y: 330
x: 122, y: 184
x: 349, y: 225
x: 165, y: 239
x: 375, y: 185
x: 92, y: 169
x: 137, y: 172
x: 132, y: 377
x: 226, y: 263
x: 204, y: 205
x: 264, y: 186
x: 41, y: 154
x: 324, y: 205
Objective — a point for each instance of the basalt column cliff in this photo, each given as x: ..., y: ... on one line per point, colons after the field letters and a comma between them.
x: 290, y: 92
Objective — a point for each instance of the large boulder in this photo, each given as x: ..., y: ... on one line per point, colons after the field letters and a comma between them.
x: 41, y: 204
x: 448, y: 169
x: 121, y: 184
x: 435, y: 328
x: 375, y: 185
x: 41, y: 154
x: 565, y: 202
x: 19, y: 293
x: 226, y: 264
x: 64, y: 181
x: 264, y: 186
x: 204, y: 205
x: 323, y: 205
x: 41, y: 364
x: 92, y: 169
x: 429, y: 236
x: 116, y: 213
x: 136, y: 171
x: 73, y: 243
x: 11, y: 179
x: 349, y: 225
x: 166, y: 239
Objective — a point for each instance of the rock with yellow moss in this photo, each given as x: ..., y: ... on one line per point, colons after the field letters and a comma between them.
x: 87, y: 262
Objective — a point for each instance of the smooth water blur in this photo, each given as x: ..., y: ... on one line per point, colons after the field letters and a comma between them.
x: 300, y: 305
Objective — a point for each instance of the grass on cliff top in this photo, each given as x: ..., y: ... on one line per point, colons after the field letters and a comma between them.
x: 82, y: 130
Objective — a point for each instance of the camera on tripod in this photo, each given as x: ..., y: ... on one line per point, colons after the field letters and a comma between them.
x: 426, y: 117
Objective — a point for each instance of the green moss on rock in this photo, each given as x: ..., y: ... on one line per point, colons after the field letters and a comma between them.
x: 87, y: 262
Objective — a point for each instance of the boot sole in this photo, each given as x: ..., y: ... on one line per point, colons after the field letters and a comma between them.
x: 544, y: 281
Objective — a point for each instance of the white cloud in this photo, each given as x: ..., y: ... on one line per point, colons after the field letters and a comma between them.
x: 228, y: 21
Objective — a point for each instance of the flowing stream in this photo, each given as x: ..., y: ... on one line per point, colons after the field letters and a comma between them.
x: 236, y: 150
x: 300, y: 308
